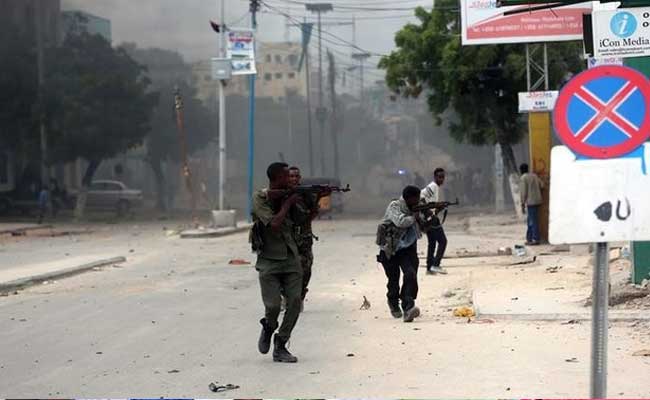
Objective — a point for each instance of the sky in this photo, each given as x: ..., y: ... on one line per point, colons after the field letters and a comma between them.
x: 182, y: 25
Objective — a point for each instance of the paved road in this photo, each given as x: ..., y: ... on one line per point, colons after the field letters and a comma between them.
x: 178, y: 306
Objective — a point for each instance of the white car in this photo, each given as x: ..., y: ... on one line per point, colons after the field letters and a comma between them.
x: 116, y: 195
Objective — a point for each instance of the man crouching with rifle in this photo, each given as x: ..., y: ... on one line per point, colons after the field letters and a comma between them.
x: 397, y: 237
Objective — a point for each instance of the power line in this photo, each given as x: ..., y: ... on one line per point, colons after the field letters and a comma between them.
x: 343, y: 41
x: 356, y: 8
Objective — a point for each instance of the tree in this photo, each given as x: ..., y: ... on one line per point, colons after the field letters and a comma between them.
x: 479, y: 84
x: 96, y: 102
x: 18, y: 89
x: 167, y: 71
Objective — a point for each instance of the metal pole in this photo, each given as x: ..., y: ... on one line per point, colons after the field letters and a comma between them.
x: 251, y: 130
x: 527, y: 68
x: 309, y: 115
x: 222, y: 115
x: 545, y: 67
x: 40, y: 61
x: 320, y: 114
x: 599, y: 322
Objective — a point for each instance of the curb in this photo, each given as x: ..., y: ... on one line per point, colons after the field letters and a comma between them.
x: 23, y: 283
x: 25, y: 229
x: 213, y: 233
x: 612, y: 317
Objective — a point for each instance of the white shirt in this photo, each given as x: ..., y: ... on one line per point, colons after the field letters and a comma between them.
x: 431, y: 193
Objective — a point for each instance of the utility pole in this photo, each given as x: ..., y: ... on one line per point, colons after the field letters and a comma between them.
x: 334, y: 125
x: 361, y: 57
x: 308, y: 87
x: 222, y: 113
x: 321, y: 111
x: 182, y: 139
x: 254, y: 7
x: 38, y: 25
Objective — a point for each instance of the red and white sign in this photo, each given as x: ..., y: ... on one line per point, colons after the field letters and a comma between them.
x: 603, y: 112
x: 537, y: 101
x: 483, y: 23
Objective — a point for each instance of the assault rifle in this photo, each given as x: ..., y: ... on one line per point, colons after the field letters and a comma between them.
x: 434, y: 205
x: 319, y: 190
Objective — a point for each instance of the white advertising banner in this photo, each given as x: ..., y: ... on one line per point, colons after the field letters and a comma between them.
x: 241, y: 51
x: 483, y: 23
x: 621, y: 33
x: 597, y: 62
x: 537, y: 101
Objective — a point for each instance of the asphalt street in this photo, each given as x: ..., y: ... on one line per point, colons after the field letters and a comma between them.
x: 176, y: 317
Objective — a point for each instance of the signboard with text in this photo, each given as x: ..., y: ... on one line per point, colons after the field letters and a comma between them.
x: 241, y: 51
x: 537, y: 101
x: 483, y: 23
x: 621, y: 33
x: 596, y: 200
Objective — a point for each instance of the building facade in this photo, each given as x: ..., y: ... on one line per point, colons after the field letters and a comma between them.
x: 277, y: 74
x: 86, y: 22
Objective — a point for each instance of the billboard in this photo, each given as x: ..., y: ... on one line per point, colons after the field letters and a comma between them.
x: 240, y: 49
x: 621, y: 33
x: 483, y: 23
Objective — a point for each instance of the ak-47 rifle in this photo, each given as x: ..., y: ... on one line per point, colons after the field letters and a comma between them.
x: 434, y: 205
x: 318, y: 190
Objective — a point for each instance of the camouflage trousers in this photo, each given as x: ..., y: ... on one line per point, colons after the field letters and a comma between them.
x: 306, y: 261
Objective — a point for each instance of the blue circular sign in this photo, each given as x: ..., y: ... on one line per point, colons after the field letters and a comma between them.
x: 623, y: 24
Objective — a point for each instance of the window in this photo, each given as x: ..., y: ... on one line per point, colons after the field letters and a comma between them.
x: 292, y: 75
x: 95, y: 186
x: 267, y: 76
x: 293, y: 59
x: 113, y: 186
x: 278, y: 75
x: 278, y: 59
x: 268, y: 58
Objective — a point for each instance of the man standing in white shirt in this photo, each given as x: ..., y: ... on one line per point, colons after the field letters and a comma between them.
x: 435, y: 235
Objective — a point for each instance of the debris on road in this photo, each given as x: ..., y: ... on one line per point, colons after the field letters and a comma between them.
x: 350, y: 354
x: 464, y: 312
x: 504, y: 251
x: 571, y: 360
x: 173, y: 371
x: 448, y: 293
x: 221, y: 388
x: 482, y: 321
x: 365, y: 305
x: 238, y: 261
x: 555, y: 288
x: 524, y: 261
x: 552, y: 270
x: 520, y: 250
x: 571, y: 322
x: 642, y: 353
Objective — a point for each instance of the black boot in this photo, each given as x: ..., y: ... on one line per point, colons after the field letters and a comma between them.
x: 264, y: 343
x: 280, y: 352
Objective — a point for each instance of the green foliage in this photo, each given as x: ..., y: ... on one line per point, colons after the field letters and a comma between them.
x: 96, y: 100
x: 167, y: 71
x: 18, y: 89
x: 478, y: 83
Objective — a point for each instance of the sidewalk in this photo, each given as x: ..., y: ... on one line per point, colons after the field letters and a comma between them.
x: 11, y: 227
x: 16, y: 278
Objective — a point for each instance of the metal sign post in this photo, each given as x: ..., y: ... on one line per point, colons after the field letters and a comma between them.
x: 602, y: 117
x: 599, y: 322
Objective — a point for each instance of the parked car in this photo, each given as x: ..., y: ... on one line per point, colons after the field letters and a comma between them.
x: 107, y: 194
